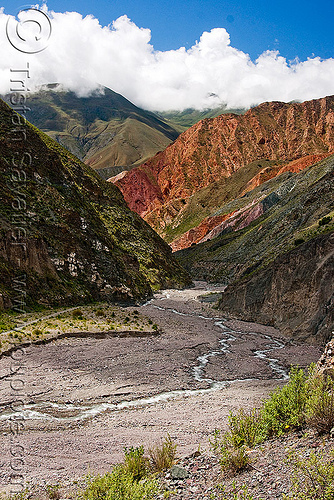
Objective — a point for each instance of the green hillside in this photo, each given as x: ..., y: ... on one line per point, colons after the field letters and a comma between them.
x: 295, y: 203
x: 69, y: 232
x: 104, y: 129
x: 181, y: 120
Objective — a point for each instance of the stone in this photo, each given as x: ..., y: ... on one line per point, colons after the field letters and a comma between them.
x: 178, y: 472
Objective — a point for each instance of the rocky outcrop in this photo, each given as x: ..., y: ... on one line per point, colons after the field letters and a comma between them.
x: 67, y: 236
x: 218, y: 147
x: 325, y: 365
x: 293, y: 166
x: 295, y: 293
x: 277, y: 257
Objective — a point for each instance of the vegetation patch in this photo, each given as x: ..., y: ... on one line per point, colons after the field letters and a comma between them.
x: 48, y: 324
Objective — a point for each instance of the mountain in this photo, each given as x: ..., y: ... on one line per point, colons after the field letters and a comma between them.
x: 66, y: 235
x: 105, y: 130
x: 182, y: 120
x: 275, y: 251
x: 183, y: 188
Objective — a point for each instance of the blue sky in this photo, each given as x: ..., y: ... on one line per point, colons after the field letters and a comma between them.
x: 169, y: 54
x: 296, y: 28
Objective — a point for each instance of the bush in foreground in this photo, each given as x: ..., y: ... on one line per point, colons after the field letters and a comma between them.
x: 306, y: 400
x: 163, y: 456
x: 135, y: 478
x: 120, y: 484
x: 312, y: 478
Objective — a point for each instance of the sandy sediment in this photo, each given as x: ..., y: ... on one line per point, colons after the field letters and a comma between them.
x: 68, y: 380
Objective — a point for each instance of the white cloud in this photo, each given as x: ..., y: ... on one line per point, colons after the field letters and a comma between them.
x: 81, y: 54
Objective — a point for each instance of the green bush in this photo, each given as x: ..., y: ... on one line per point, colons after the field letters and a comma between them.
x: 325, y: 220
x: 120, y: 484
x: 246, y: 428
x: 320, y: 404
x: 77, y: 314
x: 233, y: 459
x: 37, y: 332
x: 285, y: 407
x: 135, y: 463
x: 163, y: 456
x: 312, y: 478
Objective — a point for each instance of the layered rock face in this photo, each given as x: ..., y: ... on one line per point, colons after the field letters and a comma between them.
x: 295, y: 293
x: 67, y: 236
x: 275, y: 253
x: 216, y: 148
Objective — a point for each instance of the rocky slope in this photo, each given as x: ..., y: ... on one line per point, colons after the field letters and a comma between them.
x: 295, y: 293
x: 105, y: 130
x: 214, y: 150
x: 275, y: 252
x: 66, y: 235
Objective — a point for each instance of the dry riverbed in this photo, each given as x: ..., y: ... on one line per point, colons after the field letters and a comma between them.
x: 89, y: 395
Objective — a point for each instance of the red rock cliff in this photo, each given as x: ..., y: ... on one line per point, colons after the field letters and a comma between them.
x: 219, y: 146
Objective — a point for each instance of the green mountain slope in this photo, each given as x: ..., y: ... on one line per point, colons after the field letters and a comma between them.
x: 66, y: 235
x: 274, y: 227
x: 105, y: 130
x: 181, y: 120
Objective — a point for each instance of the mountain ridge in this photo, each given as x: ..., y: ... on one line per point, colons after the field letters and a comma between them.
x: 214, y: 149
x: 80, y: 242
x: 104, y: 129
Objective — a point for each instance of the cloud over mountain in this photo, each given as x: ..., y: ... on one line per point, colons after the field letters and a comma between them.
x: 81, y: 54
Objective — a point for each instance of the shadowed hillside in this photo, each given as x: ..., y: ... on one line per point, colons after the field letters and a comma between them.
x: 66, y: 234
x: 105, y: 130
x: 276, y: 253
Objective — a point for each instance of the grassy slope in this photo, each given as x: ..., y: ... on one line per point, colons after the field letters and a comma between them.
x: 105, y: 128
x: 210, y: 200
x: 74, y: 218
x: 181, y: 120
x: 304, y: 198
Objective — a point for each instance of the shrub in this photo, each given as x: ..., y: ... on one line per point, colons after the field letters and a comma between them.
x: 312, y: 477
x: 246, y: 428
x: 135, y: 463
x: 77, y: 314
x: 285, y: 407
x: 53, y: 491
x: 299, y: 241
x: 37, y: 332
x: 233, y: 459
x: 325, y: 220
x: 163, y: 456
x: 119, y: 484
x: 320, y: 405
x: 100, y: 312
x: 24, y: 494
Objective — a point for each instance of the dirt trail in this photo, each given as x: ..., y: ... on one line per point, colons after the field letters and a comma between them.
x: 81, y: 394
